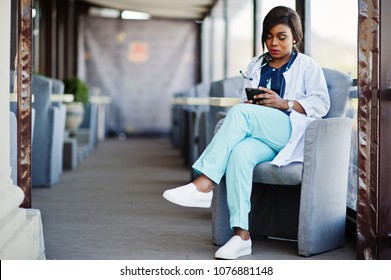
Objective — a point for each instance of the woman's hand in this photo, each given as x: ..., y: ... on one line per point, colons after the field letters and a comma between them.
x: 271, y: 99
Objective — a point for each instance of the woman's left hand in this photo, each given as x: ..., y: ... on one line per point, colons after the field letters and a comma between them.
x: 270, y: 98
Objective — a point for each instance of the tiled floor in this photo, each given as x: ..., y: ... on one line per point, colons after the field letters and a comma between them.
x: 111, y: 208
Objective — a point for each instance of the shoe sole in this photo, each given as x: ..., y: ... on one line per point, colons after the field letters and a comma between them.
x: 199, y: 204
x: 243, y: 253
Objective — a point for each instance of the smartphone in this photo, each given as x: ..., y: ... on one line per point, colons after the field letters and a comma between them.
x: 251, y: 92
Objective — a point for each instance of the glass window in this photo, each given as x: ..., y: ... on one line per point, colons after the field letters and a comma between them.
x: 206, y: 46
x: 218, y: 42
x: 332, y: 40
x: 227, y: 39
x: 35, y: 38
x: 212, y: 45
x: 240, y: 37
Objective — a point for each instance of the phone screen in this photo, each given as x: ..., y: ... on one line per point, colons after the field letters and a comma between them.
x: 251, y: 92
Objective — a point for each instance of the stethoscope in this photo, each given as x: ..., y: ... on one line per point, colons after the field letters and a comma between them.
x: 268, y: 58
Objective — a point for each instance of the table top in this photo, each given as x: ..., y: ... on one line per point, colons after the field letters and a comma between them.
x: 55, y: 97
x: 208, y: 101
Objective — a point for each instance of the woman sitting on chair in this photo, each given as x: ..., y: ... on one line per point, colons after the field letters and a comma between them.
x: 271, y: 128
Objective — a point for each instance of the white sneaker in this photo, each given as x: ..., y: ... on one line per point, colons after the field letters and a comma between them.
x: 189, y: 196
x: 236, y: 247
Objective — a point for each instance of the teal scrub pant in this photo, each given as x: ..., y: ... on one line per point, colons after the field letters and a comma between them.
x: 250, y: 134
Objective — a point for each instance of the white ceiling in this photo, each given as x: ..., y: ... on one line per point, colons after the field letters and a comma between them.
x: 174, y: 9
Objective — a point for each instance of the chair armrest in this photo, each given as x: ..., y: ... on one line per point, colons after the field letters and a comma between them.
x: 54, y: 118
x: 324, y: 185
x: 57, y: 137
x: 220, y: 115
x: 219, y: 122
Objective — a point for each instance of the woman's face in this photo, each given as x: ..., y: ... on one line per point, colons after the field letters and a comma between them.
x: 279, y: 42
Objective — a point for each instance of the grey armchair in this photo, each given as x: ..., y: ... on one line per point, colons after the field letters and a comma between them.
x: 230, y: 87
x: 87, y: 134
x: 196, y: 135
x: 47, y: 146
x: 13, y: 146
x: 58, y: 88
x: 301, y: 201
x: 184, y: 126
x: 176, y: 121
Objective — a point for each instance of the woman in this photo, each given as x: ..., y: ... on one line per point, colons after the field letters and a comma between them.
x: 294, y: 93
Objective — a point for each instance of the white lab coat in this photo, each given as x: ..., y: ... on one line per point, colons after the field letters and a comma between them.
x: 306, y: 84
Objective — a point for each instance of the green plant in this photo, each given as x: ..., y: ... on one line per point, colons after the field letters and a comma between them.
x: 78, y: 88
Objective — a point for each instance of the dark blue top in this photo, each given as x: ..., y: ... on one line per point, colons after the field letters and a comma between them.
x: 273, y: 78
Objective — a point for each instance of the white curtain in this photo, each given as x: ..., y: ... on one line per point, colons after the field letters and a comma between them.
x: 140, y: 64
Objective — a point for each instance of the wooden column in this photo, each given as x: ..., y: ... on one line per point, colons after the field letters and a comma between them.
x: 374, y: 116
x: 384, y: 237
x: 24, y: 64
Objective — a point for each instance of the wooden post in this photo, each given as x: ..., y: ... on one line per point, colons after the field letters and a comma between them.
x: 24, y: 63
x: 374, y: 115
x: 384, y: 237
